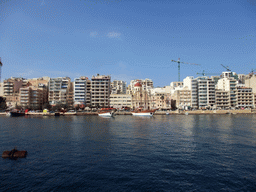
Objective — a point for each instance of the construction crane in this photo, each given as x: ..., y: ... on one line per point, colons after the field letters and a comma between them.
x: 252, y: 72
x: 203, y: 73
x: 1, y: 64
x: 226, y: 67
x: 179, y: 66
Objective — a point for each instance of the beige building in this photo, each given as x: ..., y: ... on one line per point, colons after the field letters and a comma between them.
x: 11, y: 90
x: 100, y: 91
x: 118, y: 87
x: 250, y: 81
x: 182, y: 98
x: 161, y: 101
x: 35, y: 94
x: 244, y: 97
x: 222, y: 99
x: 119, y: 101
x: 59, y: 90
x: 140, y: 98
x: 229, y: 84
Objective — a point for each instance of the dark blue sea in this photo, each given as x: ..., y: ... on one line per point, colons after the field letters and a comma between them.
x: 126, y: 153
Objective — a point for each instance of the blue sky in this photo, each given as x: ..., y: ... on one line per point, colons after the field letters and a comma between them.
x: 127, y: 39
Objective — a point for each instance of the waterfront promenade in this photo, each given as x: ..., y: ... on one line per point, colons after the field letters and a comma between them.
x: 176, y: 112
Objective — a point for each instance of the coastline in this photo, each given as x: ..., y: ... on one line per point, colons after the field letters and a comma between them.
x: 196, y: 112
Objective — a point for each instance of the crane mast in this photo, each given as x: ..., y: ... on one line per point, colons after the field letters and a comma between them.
x: 179, y: 66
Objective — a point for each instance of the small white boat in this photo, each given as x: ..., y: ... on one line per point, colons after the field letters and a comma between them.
x: 140, y: 112
x: 143, y: 113
x: 106, y: 114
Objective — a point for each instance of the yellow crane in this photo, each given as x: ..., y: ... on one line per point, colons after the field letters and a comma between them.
x: 179, y: 62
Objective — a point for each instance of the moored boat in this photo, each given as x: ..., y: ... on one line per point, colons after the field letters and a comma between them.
x: 106, y: 112
x: 141, y: 112
x: 17, y: 113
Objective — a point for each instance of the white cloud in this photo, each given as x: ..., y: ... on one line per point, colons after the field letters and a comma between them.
x: 113, y: 35
x: 93, y: 34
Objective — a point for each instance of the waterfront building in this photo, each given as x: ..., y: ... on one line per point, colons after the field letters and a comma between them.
x: 1, y: 90
x: 80, y: 91
x: 244, y: 97
x: 140, y: 98
x: 222, y: 99
x: 88, y: 93
x: 160, y: 100
x: 192, y: 85
x: 182, y: 98
x: 202, y: 91
x: 206, y: 92
x: 33, y: 97
x: 58, y: 90
x: 229, y: 84
x: 250, y: 81
x: 35, y: 94
x: 100, y: 90
x: 118, y: 87
x: 120, y: 101
x: 11, y: 90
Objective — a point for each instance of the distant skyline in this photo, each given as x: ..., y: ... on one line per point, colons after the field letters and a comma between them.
x: 126, y: 39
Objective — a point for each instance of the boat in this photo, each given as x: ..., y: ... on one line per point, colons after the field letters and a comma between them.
x: 17, y: 113
x: 141, y: 112
x: 14, y: 154
x: 106, y: 112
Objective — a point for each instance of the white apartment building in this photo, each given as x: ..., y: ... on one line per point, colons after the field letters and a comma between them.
x: 192, y: 85
x: 118, y: 87
x: 100, y: 90
x: 58, y: 90
x: 80, y: 91
x: 202, y: 91
x: 229, y: 84
x: 119, y: 101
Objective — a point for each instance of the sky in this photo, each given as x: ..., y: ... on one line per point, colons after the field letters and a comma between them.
x: 126, y: 39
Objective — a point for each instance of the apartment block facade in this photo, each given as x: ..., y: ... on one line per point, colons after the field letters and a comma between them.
x: 119, y: 101
x: 118, y: 87
x: 100, y: 91
x: 58, y: 90
x: 11, y: 90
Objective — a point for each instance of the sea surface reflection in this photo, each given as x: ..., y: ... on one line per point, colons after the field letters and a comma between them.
x: 127, y: 153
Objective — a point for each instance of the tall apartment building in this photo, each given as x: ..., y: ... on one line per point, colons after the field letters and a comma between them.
x: 118, y: 87
x: 229, y: 84
x: 222, y: 99
x: 100, y: 90
x: 33, y: 97
x: 58, y: 90
x: 206, y: 92
x: 11, y: 90
x: 88, y: 93
x: 202, y: 91
x: 80, y: 91
x: 245, y: 97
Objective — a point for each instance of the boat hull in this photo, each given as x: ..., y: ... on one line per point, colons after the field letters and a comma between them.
x: 17, y: 114
x: 108, y: 114
x: 143, y: 114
